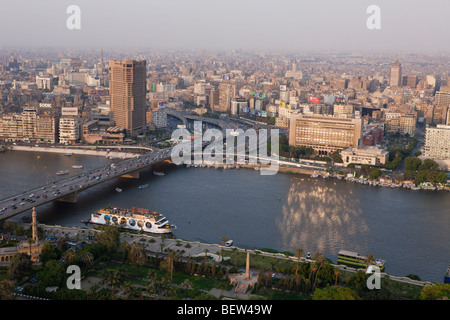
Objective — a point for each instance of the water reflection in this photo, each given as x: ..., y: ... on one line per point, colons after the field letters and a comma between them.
x: 321, y: 216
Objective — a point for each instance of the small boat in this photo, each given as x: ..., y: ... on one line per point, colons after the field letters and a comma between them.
x: 61, y: 173
x: 118, y: 190
x: 158, y: 173
x: 68, y: 154
x: 229, y: 243
x: 77, y: 166
x: 143, y: 186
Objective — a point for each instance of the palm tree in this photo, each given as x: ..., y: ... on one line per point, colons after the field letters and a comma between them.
x: 87, y: 258
x: 112, y: 277
x: 124, y: 247
x: 298, y: 255
x: 137, y: 254
x: 187, y: 285
x: 223, y: 239
x: 370, y: 259
x: 322, y: 262
x: 336, y: 273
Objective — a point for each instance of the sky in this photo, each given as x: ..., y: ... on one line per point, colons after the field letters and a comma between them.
x: 261, y: 25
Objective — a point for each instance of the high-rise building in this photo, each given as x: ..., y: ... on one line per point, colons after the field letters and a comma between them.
x: 437, y: 142
x: 325, y: 134
x: 395, y: 77
x: 227, y: 91
x: 69, y: 129
x: 127, y: 84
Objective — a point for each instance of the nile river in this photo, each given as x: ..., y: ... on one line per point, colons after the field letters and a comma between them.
x: 409, y: 229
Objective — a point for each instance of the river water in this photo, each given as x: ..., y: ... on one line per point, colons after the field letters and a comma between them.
x: 409, y: 229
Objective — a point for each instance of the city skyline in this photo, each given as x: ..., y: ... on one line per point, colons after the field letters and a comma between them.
x: 407, y: 26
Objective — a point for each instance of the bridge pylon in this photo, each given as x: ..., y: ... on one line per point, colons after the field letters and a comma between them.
x: 131, y: 175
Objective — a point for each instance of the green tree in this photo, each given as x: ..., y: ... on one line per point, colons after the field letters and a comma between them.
x: 137, y: 254
x: 49, y: 252
x: 374, y: 174
x: 435, y: 292
x: 6, y: 290
x: 336, y: 156
x: 335, y: 293
x: 109, y: 239
x: 20, y: 266
x: 412, y: 163
x: 53, y: 274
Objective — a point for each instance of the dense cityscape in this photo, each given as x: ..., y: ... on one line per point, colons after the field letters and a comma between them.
x: 87, y: 135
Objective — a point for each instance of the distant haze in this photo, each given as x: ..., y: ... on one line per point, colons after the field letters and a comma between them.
x: 264, y: 25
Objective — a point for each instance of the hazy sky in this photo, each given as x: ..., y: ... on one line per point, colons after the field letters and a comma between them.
x: 228, y: 24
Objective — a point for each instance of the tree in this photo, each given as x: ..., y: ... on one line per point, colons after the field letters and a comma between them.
x: 374, y: 174
x: 168, y: 263
x: 223, y: 239
x: 21, y: 265
x: 435, y: 292
x: 53, y: 274
x: 412, y: 163
x: 187, y: 285
x: 112, y: 278
x: 86, y: 258
x: 6, y: 290
x: 335, y: 293
x: 109, y: 239
x: 137, y: 254
x: 336, y: 156
x: 298, y: 255
x: 49, y: 252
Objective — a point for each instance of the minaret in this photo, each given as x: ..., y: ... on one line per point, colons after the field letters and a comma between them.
x: 247, y: 267
x: 34, y: 226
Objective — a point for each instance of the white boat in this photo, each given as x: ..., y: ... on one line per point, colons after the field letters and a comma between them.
x: 143, y: 186
x: 77, y: 166
x: 229, y: 243
x: 158, y: 173
x: 133, y: 219
x: 62, y: 172
x: 119, y: 190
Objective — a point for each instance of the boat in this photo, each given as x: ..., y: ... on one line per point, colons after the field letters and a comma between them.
x: 353, y: 259
x: 68, y: 154
x: 118, y: 190
x: 136, y: 219
x: 447, y: 275
x: 62, y: 172
x: 158, y: 173
x: 229, y: 243
x: 314, y: 175
x: 77, y: 166
x: 143, y: 186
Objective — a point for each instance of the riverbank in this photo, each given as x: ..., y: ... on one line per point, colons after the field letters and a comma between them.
x: 106, y: 153
x: 161, y: 244
x: 321, y: 173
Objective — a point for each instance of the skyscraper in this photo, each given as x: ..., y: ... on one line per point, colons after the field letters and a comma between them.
x: 127, y: 84
x: 395, y: 78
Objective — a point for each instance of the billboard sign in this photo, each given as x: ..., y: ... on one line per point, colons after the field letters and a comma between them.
x: 314, y: 99
x: 69, y: 111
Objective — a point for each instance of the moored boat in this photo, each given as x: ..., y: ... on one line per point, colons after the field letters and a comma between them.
x: 137, y: 219
x: 62, y: 172
x: 143, y: 186
x: 355, y: 260
x: 158, y: 173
